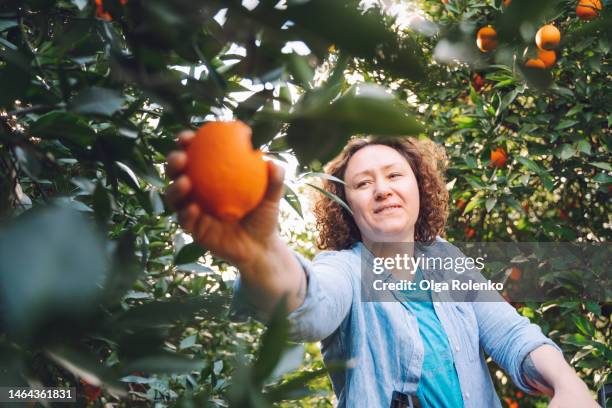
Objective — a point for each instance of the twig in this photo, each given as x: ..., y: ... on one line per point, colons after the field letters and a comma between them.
x: 36, y: 108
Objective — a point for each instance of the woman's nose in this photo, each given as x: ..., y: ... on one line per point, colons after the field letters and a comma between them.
x: 382, y: 191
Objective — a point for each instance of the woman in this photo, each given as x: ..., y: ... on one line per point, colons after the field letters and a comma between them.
x: 428, y: 351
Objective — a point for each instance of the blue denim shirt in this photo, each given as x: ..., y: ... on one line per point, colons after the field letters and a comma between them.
x: 381, y: 339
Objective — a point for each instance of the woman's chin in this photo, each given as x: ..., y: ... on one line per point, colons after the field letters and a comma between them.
x: 393, y: 234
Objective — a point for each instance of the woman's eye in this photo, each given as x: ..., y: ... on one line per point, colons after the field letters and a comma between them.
x: 361, y: 184
x: 394, y: 175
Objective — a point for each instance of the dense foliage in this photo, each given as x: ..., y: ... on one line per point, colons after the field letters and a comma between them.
x: 100, y: 290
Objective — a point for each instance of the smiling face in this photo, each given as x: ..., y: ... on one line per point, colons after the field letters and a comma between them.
x: 383, y: 193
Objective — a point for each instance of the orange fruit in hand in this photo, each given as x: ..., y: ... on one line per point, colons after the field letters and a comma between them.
x: 498, y: 157
x: 547, y: 57
x: 588, y: 9
x: 486, y: 39
x: 535, y: 63
x: 229, y: 177
x: 548, y: 37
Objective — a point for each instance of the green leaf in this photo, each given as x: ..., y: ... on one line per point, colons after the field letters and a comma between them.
x: 165, y: 363
x: 102, y: 203
x: 290, y: 361
x: 189, y: 253
x: 293, y: 200
x: 564, y: 124
x: 332, y: 196
x: 530, y: 164
x: 15, y: 74
x: 602, y: 165
x: 126, y: 268
x: 584, y: 146
x: 86, y: 367
x: 301, y: 70
x: 575, y: 339
x: 369, y: 109
x: 471, y: 162
x: 322, y: 176
x: 64, y: 126
x: 575, y: 110
x: 188, y: 342
x: 603, y: 178
x: 584, y: 325
x: 490, y: 203
x: 273, y: 343
x: 474, y: 202
x: 547, y: 181
x: 6, y: 24
x: 360, y: 34
x: 295, y: 387
x: 464, y: 122
x: 81, y: 4
x: 62, y: 266
x: 194, y: 267
x: 474, y: 181
x: 565, y: 151
x: 165, y: 313
x: 97, y: 101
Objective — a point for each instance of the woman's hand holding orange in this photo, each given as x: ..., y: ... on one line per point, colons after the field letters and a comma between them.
x: 238, y: 242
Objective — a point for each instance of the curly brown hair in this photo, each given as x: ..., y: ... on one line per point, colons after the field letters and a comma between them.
x: 336, y: 226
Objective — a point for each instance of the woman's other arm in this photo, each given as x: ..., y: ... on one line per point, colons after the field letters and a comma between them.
x: 546, y: 370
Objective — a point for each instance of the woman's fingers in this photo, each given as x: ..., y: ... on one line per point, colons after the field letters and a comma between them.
x: 185, y: 137
x: 178, y: 192
x: 207, y: 230
x: 276, y: 176
x: 188, y: 217
x: 177, y: 161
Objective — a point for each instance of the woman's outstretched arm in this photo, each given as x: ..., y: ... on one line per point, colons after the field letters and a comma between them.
x: 268, y: 267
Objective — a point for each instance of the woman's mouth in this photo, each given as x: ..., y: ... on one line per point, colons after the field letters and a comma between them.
x: 387, y: 208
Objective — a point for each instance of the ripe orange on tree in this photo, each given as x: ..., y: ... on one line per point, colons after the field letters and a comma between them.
x: 588, y: 9
x: 461, y: 204
x: 486, y: 39
x: 101, y: 13
x: 511, y: 403
x: 229, y: 177
x: 548, y: 37
x: 477, y: 82
x: 525, y: 206
x: 469, y: 232
x: 507, y: 3
x: 498, y: 157
x: 515, y: 273
x: 547, y: 57
x: 535, y: 63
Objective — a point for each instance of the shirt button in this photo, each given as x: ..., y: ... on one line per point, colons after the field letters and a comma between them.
x: 467, y: 395
x: 457, y: 349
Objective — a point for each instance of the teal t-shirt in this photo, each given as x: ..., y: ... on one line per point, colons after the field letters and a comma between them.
x: 439, y: 384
